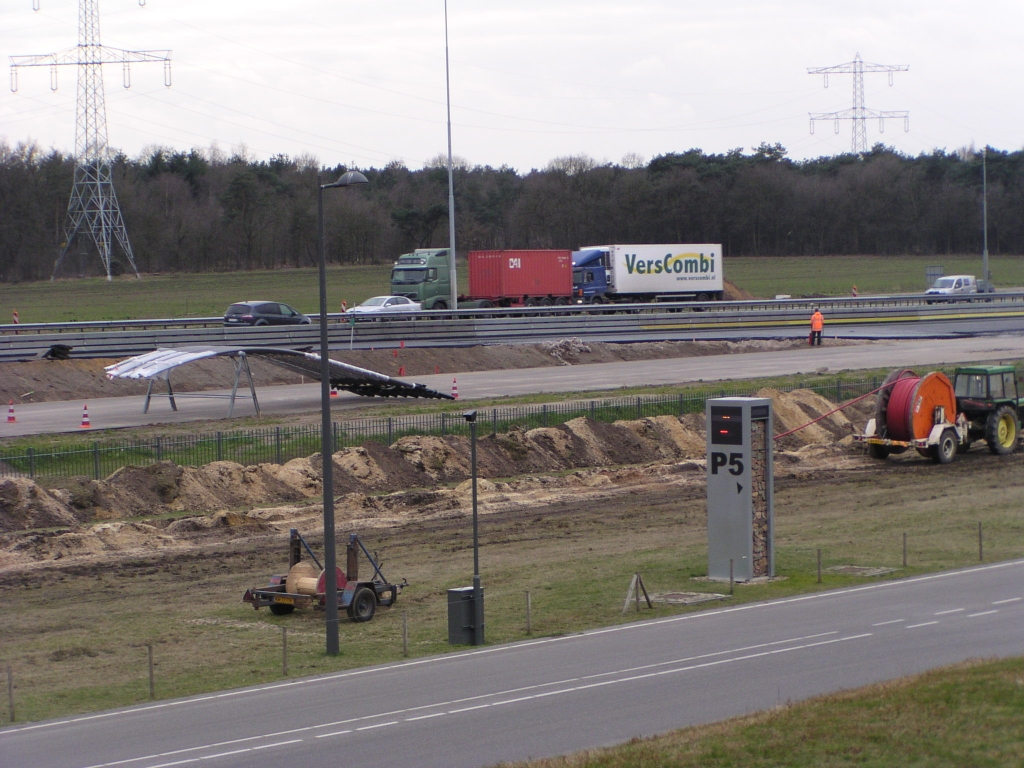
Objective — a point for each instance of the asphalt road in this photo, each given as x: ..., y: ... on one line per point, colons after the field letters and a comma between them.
x: 109, y: 413
x: 561, y: 694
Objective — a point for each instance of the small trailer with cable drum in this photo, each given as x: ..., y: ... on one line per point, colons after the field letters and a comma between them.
x: 305, y: 585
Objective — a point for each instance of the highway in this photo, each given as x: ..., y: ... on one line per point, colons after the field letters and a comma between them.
x: 110, y: 413
x: 559, y: 694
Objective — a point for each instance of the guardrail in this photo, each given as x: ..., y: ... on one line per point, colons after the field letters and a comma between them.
x: 122, y: 338
x: 278, y: 445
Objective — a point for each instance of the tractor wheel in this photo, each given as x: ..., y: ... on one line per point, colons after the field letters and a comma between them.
x: 364, y: 604
x: 946, y: 450
x: 880, y: 452
x: 280, y: 609
x: 1001, y: 430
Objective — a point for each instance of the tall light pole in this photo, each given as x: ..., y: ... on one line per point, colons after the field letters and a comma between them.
x: 451, y: 186
x: 326, y: 437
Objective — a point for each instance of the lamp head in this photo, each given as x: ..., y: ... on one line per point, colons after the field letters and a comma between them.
x: 469, y: 416
x: 347, y: 179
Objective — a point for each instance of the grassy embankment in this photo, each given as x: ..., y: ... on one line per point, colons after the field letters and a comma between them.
x: 75, y: 637
x: 965, y: 715
x: 208, y: 295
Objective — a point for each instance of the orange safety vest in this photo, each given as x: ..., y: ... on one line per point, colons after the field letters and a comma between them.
x: 817, y: 321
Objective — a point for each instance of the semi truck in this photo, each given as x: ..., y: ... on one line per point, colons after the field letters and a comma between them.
x: 497, y: 278
x: 644, y: 273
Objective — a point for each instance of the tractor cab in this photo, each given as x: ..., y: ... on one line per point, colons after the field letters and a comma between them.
x: 987, y: 395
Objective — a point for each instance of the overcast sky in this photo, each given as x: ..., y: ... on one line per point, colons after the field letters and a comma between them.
x: 531, y: 80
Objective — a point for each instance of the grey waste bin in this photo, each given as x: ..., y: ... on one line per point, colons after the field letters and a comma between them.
x: 462, y: 615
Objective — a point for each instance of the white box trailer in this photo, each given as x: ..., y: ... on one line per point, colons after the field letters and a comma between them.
x: 640, y: 273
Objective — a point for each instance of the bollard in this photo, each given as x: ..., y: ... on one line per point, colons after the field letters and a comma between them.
x: 819, y: 566
x: 637, y: 577
x: 149, y: 649
x: 284, y: 651
x: 529, y: 611
x: 405, y: 633
x: 10, y: 690
x: 981, y: 552
x: 904, y: 549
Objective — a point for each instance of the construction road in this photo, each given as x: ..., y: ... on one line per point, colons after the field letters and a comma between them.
x: 109, y: 413
x: 560, y: 694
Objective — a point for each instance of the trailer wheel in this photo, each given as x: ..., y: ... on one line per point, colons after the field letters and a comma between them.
x: 1001, y: 430
x: 946, y: 450
x: 703, y: 297
x: 280, y: 609
x: 880, y: 452
x: 363, y: 606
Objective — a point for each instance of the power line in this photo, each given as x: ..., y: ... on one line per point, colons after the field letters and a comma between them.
x: 859, y: 113
x: 93, y: 209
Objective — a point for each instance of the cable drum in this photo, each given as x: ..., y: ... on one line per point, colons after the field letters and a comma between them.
x: 897, y: 419
x: 913, y: 402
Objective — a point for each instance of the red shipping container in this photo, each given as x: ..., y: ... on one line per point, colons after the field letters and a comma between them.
x: 518, y: 275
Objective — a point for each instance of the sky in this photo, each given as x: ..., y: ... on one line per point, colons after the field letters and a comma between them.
x: 363, y: 84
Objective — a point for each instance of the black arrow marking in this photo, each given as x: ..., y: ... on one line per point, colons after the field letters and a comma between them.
x: 739, y: 488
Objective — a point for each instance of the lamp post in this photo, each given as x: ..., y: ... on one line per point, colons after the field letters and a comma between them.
x: 478, y: 600
x: 984, y: 223
x: 326, y: 437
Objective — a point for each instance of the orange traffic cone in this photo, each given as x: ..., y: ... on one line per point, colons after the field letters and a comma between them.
x: 437, y: 369
x: 394, y: 353
x: 401, y: 370
x: 455, y: 389
x: 334, y: 392
x: 401, y: 344
x: 85, y: 417
x: 10, y: 413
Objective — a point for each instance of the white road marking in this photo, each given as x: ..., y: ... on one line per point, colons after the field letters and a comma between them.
x: 982, y: 613
x: 467, y: 709
x: 951, y: 610
x: 922, y: 624
x: 425, y: 717
x: 377, y: 725
x: 883, y: 623
x: 1008, y: 600
x: 277, y: 744
x: 226, y: 754
x: 335, y: 733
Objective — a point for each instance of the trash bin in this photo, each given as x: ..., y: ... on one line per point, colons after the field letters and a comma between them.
x: 462, y: 616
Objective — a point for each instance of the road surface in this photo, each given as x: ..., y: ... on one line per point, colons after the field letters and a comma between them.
x: 556, y: 695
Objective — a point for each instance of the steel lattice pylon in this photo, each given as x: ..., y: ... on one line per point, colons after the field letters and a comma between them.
x: 859, y: 113
x: 93, y: 210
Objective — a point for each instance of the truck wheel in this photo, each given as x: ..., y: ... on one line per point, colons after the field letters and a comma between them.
x: 280, y: 609
x: 440, y: 305
x: 880, y: 452
x: 561, y: 301
x: 1001, y: 430
x: 946, y: 450
x: 703, y: 297
x: 363, y: 606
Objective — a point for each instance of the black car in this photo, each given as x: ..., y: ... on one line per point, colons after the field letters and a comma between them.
x: 263, y: 313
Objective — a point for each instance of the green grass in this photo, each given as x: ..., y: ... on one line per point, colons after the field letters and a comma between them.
x: 970, y: 714
x: 209, y: 294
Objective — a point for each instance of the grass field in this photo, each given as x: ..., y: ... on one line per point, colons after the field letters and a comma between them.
x: 208, y: 295
x: 76, y: 638
x: 970, y: 714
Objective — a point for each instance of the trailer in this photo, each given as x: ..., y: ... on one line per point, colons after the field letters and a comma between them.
x: 644, y: 273
x: 304, y: 586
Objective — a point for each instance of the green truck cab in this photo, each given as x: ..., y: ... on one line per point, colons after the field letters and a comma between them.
x: 423, y: 276
x: 987, y: 396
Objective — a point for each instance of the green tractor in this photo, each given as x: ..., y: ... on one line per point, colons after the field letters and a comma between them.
x: 987, y: 397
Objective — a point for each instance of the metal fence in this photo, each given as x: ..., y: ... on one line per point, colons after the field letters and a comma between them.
x: 280, y: 444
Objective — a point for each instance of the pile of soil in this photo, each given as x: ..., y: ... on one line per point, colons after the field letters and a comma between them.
x: 416, y: 478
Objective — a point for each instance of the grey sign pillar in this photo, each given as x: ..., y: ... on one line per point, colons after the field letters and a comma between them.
x: 741, y: 520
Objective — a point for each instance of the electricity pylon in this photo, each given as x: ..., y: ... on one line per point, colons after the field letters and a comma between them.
x: 93, y: 209
x: 859, y: 113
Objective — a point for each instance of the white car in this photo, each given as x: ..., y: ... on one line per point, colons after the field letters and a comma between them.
x: 380, y: 305
x: 952, y: 285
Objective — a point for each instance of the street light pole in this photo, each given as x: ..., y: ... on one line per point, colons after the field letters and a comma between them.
x: 478, y: 598
x: 451, y: 188
x: 984, y: 222
x: 326, y: 436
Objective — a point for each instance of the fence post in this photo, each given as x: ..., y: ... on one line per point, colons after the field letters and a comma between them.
x: 405, y: 633
x: 334, y: 437
x: 391, y: 430
x: 159, y: 450
x: 284, y: 651
x: 31, y: 463
x: 529, y: 612
x: 442, y: 424
x: 680, y: 405
x: 149, y: 650
x: 593, y: 411
x: 494, y: 422
x: 639, y: 408
x: 904, y: 549
x: 544, y: 415
x: 731, y: 581
x: 10, y: 690
x: 220, y: 448
x: 819, y: 566
x: 277, y: 443
x: 981, y: 552
x: 96, y: 460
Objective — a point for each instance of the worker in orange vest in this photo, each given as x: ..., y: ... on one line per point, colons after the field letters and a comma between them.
x: 817, y: 325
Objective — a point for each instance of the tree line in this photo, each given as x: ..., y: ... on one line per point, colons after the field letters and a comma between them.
x: 200, y: 211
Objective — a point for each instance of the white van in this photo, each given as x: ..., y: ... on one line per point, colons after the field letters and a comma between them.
x: 953, y: 285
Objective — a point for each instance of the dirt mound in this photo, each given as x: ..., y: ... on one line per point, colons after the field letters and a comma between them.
x: 790, y: 415
x: 733, y: 292
x: 24, y: 505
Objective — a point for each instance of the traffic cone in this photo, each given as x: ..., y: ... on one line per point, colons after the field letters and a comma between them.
x: 10, y: 413
x: 437, y: 369
x: 85, y: 417
x: 401, y: 344
x: 401, y: 370
x: 334, y: 392
x: 455, y: 389
x: 394, y: 353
